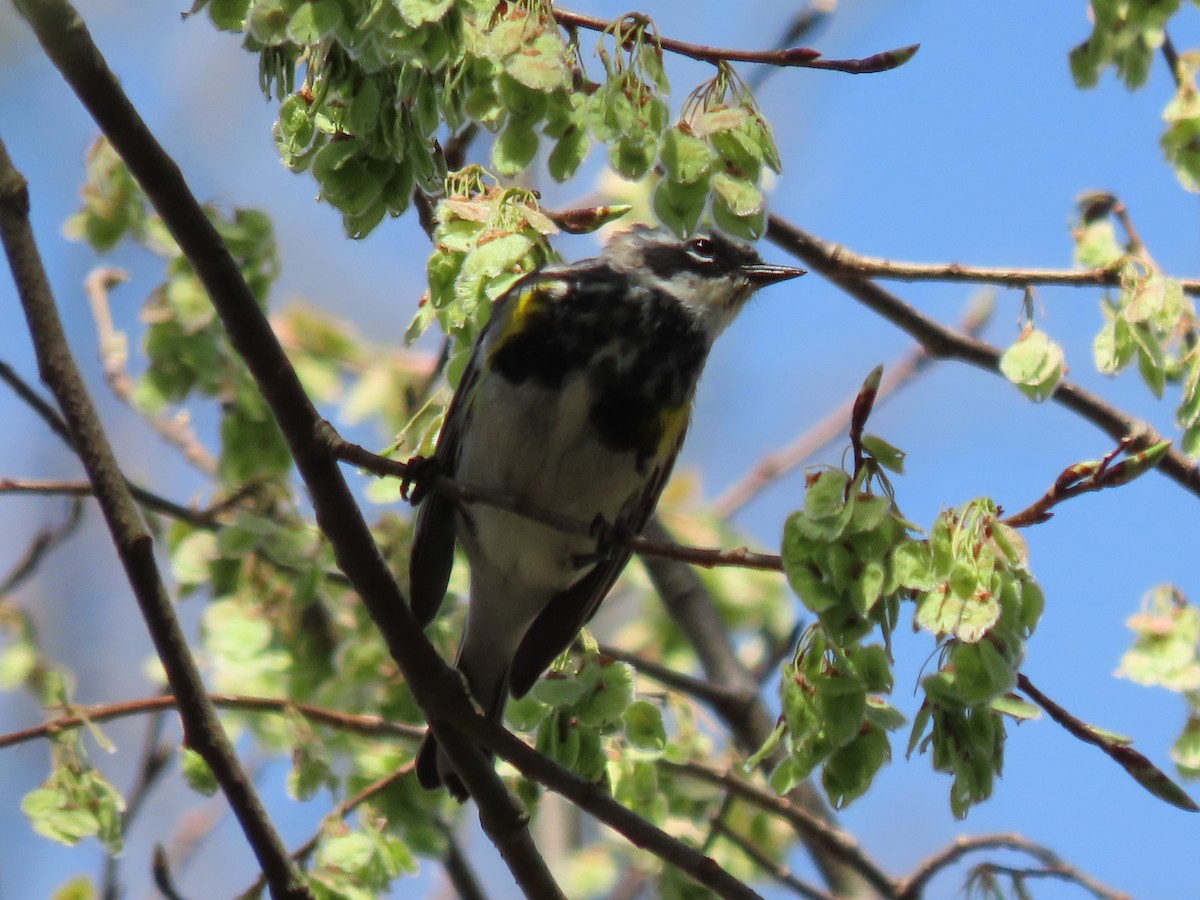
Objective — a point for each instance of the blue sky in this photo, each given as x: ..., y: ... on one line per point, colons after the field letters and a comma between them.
x: 973, y: 153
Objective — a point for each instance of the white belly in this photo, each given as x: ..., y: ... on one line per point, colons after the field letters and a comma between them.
x: 552, y: 458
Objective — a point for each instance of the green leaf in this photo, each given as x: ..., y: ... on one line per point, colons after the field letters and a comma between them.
x: 541, y: 65
x: 515, y: 148
x: 644, y: 727
x: 78, y: 888
x: 849, y: 771
x: 967, y: 618
x: 1096, y: 245
x: 888, y: 456
x: 1035, y: 364
x: 196, y: 773
x: 568, y: 153
x: 742, y: 197
x: 679, y: 206
x: 419, y: 12
x: 1015, y: 707
x: 687, y: 158
x: 17, y: 662
x: 559, y: 692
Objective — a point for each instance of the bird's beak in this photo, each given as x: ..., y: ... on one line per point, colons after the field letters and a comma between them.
x: 763, y: 274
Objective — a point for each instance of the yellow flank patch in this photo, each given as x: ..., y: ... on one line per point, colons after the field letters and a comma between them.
x: 672, y: 420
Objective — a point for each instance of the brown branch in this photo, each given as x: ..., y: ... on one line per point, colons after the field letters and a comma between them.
x: 1171, y: 58
x: 343, y: 809
x: 810, y: 825
x: 55, y: 423
x: 1137, y: 766
x: 132, y: 541
x: 779, y: 872
x: 914, y: 886
x: 155, y: 755
x: 365, y: 725
x: 889, y: 270
x: 1085, y: 478
x: 175, y: 430
x: 942, y: 342
x: 382, y: 466
x: 798, y: 57
x: 42, y: 543
x: 896, y: 375
x: 437, y: 689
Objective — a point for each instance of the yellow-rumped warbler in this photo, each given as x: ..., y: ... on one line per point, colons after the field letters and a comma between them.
x: 576, y: 398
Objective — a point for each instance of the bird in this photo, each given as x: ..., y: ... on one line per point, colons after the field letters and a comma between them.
x: 575, y: 398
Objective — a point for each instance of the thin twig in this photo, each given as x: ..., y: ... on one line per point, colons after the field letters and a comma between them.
x: 42, y: 543
x: 459, y: 870
x: 1137, y: 766
x: 131, y: 539
x: 914, y: 886
x: 800, y: 57
x: 943, y: 342
x: 812, y: 826
x: 896, y: 375
x: 153, y: 762
x: 890, y: 270
x: 366, y: 725
x: 778, y: 871
x: 175, y: 430
x: 1085, y: 478
x: 1171, y: 58
x: 50, y: 416
x: 740, y: 557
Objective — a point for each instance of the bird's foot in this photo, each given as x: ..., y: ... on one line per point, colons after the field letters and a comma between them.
x: 418, y: 474
x: 611, y: 539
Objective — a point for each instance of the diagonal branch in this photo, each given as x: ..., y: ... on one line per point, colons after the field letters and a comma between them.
x: 438, y: 690
x: 133, y: 543
x: 775, y: 465
x: 945, y: 343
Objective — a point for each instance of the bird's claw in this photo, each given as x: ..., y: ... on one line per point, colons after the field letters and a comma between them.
x: 419, y: 472
x: 611, y: 539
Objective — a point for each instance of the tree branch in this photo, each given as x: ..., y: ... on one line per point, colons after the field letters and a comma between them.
x: 807, y: 823
x: 946, y: 343
x: 692, y: 609
x: 777, y: 871
x: 1137, y: 766
x: 800, y: 57
x: 437, y: 689
x: 914, y: 886
x: 382, y: 466
x: 175, y: 430
x: 890, y: 270
x: 55, y: 423
x: 133, y: 543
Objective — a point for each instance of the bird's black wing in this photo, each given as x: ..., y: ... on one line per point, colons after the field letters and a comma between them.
x: 432, y: 555
x: 558, y: 624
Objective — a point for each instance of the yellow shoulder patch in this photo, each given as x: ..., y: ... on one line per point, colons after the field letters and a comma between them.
x: 525, y: 303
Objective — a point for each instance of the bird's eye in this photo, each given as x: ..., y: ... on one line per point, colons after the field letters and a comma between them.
x: 701, y: 249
